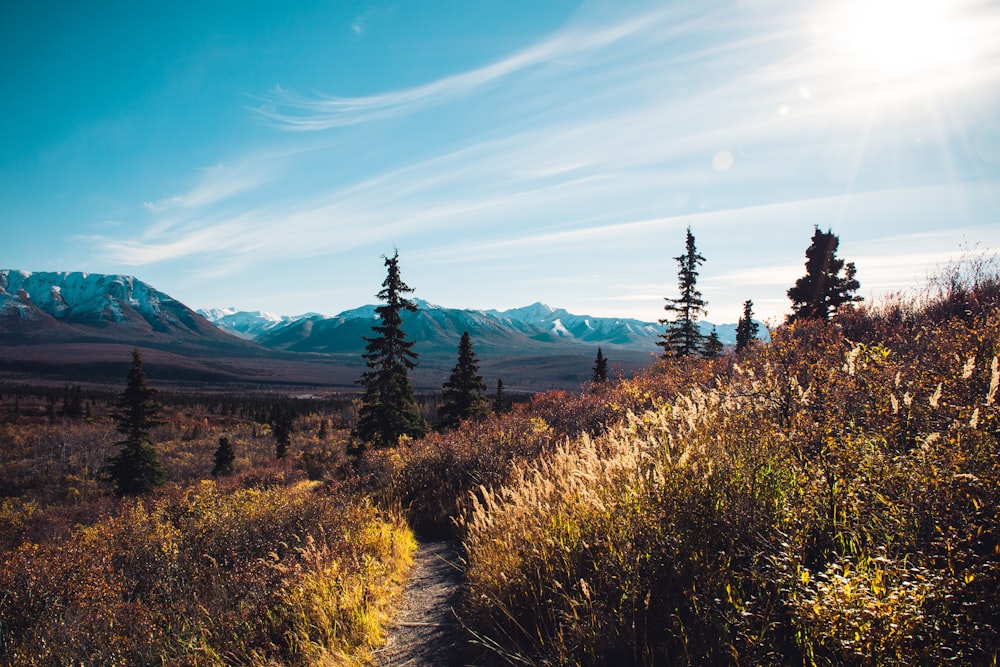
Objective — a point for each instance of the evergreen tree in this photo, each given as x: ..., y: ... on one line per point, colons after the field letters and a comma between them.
x: 224, y: 457
x: 682, y: 336
x: 388, y: 407
x: 136, y: 469
x: 818, y: 294
x: 500, y: 402
x: 600, y: 367
x: 713, y: 346
x: 282, y: 422
x: 463, y: 392
x: 746, y: 328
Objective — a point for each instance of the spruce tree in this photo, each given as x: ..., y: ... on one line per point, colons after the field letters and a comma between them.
x: 224, y: 457
x: 682, y: 335
x: 463, y: 391
x: 388, y: 407
x: 282, y: 422
x: 713, y: 346
x: 818, y: 294
x: 136, y: 469
x: 600, y: 367
x: 746, y: 328
x: 500, y: 402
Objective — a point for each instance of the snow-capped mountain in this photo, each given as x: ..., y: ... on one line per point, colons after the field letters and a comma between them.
x: 251, y: 324
x: 537, y: 326
x: 584, y: 328
x: 64, y: 306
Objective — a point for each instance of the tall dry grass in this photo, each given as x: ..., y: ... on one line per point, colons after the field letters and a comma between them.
x: 823, y: 500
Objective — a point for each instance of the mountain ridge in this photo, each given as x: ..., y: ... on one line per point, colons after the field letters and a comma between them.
x: 81, y: 306
x: 537, y: 321
x: 81, y: 326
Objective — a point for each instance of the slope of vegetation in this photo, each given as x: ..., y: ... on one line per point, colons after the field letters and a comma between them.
x: 205, y: 576
x: 264, y: 567
x: 829, y: 498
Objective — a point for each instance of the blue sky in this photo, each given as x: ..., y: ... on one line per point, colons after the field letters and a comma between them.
x: 266, y: 155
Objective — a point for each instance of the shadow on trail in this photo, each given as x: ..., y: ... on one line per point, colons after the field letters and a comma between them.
x: 426, y: 631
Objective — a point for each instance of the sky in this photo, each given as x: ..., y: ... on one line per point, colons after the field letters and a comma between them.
x: 266, y: 156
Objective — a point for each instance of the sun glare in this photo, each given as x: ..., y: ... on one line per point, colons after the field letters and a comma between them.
x: 900, y: 40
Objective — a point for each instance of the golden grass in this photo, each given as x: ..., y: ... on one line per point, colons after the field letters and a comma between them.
x: 822, y: 501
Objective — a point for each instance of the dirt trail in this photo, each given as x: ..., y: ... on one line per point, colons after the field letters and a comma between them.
x: 425, y: 631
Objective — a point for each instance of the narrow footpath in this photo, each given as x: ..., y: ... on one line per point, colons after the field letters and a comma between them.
x: 425, y: 631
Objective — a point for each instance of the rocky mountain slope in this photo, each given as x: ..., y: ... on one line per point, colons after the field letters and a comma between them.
x: 63, y: 307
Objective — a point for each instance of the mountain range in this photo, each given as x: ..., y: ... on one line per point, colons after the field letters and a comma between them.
x: 81, y: 325
x: 438, y: 327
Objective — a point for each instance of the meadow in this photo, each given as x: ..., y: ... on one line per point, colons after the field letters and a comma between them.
x: 830, y: 497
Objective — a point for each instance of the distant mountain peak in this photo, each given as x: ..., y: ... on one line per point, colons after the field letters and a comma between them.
x: 77, y: 305
x: 536, y: 312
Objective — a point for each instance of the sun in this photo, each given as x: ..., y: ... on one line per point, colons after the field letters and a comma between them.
x: 901, y: 39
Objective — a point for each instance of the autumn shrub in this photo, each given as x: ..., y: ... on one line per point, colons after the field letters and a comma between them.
x: 431, y: 476
x: 293, y: 575
x: 821, y: 500
x: 428, y: 477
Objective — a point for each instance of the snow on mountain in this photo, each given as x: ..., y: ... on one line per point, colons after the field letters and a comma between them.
x: 77, y: 304
x: 249, y: 325
x: 65, y: 295
x: 536, y: 312
x: 558, y: 328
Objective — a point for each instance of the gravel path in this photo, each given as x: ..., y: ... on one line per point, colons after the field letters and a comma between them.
x: 425, y: 631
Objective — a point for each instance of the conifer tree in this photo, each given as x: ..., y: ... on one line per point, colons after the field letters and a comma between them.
x: 746, y: 328
x: 682, y: 335
x: 463, y: 391
x: 818, y: 294
x: 600, y: 367
x: 136, y: 469
x: 388, y: 407
x: 500, y: 402
x: 224, y: 457
x: 713, y: 346
x: 282, y: 422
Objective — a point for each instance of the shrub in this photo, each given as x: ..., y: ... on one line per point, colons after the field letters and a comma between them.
x: 201, y: 576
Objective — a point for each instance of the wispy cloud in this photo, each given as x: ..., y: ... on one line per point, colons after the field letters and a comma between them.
x: 217, y: 184
x: 296, y: 112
